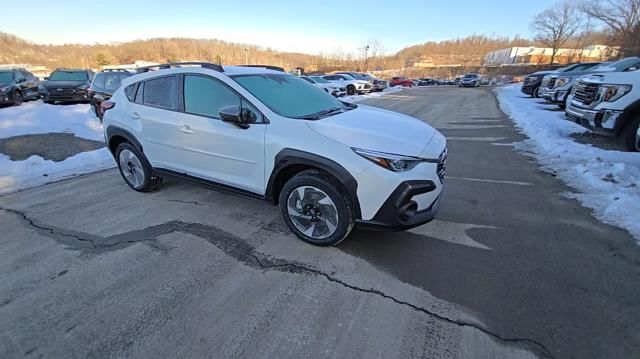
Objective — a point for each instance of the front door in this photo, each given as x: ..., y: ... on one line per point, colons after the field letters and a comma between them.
x: 217, y: 150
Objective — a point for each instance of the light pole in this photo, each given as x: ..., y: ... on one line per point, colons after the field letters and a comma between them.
x: 246, y: 56
x: 366, y: 52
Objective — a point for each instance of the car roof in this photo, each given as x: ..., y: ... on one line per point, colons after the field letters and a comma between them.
x: 71, y: 70
x: 227, y: 70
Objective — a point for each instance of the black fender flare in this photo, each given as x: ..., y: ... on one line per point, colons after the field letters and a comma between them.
x: 289, y: 157
x: 114, y: 131
x: 628, y: 115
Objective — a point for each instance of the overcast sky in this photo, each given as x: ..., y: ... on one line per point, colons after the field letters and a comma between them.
x: 302, y: 26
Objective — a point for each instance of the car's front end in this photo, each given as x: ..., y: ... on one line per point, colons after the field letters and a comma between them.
x: 379, y: 85
x: 557, y: 89
x: 531, y: 83
x: 599, y: 103
x: 401, y: 184
x: 63, y: 91
x: 6, y: 93
x: 470, y: 81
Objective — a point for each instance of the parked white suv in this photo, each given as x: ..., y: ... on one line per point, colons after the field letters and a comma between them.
x: 608, y: 104
x: 352, y: 85
x: 330, y: 87
x: 270, y: 135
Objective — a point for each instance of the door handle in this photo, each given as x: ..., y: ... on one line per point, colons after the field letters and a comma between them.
x: 186, y: 129
x: 135, y: 116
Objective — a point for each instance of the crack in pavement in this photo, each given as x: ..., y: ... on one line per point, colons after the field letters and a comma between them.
x: 245, y: 253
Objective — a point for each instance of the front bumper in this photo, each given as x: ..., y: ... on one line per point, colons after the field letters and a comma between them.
x: 556, y: 96
x: 469, y: 84
x: 402, y: 211
x: 6, y: 98
x: 602, y: 121
x: 65, y: 95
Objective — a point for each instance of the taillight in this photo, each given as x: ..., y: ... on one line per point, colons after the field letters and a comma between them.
x: 106, y: 105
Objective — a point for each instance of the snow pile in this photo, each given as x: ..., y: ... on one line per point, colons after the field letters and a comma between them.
x: 608, y: 182
x: 356, y: 98
x: 38, y: 118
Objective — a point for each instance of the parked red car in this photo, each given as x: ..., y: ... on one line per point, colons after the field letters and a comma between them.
x: 400, y: 81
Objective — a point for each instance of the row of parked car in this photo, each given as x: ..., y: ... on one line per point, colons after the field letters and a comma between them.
x: 347, y: 83
x: 603, y: 97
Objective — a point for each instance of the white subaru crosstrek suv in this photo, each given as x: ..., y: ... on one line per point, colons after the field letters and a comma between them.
x: 267, y: 134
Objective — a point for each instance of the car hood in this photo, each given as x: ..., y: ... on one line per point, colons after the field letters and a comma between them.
x: 376, y: 129
x: 617, y: 78
x: 64, y: 84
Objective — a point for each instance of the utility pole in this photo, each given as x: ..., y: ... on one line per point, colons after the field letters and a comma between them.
x: 366, y: 52
x: 246, y: 56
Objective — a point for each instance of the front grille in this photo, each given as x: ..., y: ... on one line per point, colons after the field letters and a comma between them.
x: 442, y: 164
x: 61, y: 92
x: 367, y: 86
x: 343, y: 89
x: 585, y: 92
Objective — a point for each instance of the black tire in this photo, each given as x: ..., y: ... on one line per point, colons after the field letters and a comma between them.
x: 351, y: 90
x: 536, y: 92
x: 630, y: 136
x: 336, y: 193
x: 17, y: 98
x: 149, y: 182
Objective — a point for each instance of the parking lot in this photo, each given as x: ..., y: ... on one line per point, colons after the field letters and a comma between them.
x: 510, y: 267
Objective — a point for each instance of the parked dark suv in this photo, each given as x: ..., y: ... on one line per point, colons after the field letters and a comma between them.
x: 17, y: 85
x: 103, y: 86
x: 66, y: 85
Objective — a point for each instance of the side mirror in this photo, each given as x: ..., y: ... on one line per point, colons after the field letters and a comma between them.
x: 21, y: 80
x: 233, y: 114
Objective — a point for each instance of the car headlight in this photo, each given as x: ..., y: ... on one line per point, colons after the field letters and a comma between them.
x: 4, y: 89
x: 392, y: 162
x: 82, y: 88
x: 611, y: 93
x: 561, y: 81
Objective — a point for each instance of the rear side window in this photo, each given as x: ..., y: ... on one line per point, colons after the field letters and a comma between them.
x: 130, y: 91
x: 206, y: 96
x: 161, y: 92
x: 98, y: 81
x: 111, y: 82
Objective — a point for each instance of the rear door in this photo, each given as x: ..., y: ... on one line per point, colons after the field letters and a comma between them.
x: 154, y: 114
x: 217, y: 150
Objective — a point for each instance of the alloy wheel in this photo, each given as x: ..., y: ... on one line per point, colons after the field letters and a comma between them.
x: 312, y: 212
x: 17, y: 98
x: 131, y: 168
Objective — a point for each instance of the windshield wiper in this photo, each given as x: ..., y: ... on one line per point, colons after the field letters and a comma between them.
x: 321, y: 114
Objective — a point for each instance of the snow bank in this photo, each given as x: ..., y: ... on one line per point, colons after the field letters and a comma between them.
x: 37, y: 118
x: 608, y: 182
x: 356, y: 98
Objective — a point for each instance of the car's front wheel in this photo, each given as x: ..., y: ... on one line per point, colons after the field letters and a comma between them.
x: 316, y: 208
x: 351, y: 90
x: 631, y: 134
x: 135, y: 170
x: 17, y: 98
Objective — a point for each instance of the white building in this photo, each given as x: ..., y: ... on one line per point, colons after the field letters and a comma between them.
x: 540, y: 55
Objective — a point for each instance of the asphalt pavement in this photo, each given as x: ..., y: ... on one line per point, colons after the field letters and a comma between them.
x: 510, y: 268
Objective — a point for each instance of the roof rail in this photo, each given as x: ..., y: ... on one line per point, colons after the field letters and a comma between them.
x: 268, y: 67
x: 204, y: 65
x: 118, y: 70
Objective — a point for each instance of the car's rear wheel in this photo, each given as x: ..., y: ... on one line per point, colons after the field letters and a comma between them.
x: 631, y: 134
x: 17, y: 98
x: 316, y: 208
x: 135, y: 170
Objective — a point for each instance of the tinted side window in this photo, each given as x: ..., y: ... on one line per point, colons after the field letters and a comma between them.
x: 111, y: 82
x: 161, y: 92
x: 98, y: 81
x: 140, y: 93
x: 130, y: 91
x: 205, y: 96
x: 19, y: 76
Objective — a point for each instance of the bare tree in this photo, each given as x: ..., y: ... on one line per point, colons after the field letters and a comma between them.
x: 622, y: 17
x: 554, y: 26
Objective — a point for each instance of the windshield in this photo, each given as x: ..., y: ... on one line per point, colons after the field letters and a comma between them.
x: 288, y: 95
x: 580, y: 67
x: 6, y: 76
x: 470, y: 76
x: 68, y: 76
x: 356, y: 76
x: 621, y: 65
x: 320, y: 80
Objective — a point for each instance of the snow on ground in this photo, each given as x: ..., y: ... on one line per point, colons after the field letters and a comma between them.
x: 356, y: 98
x: 38, y: 118
x: 606, y: 181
